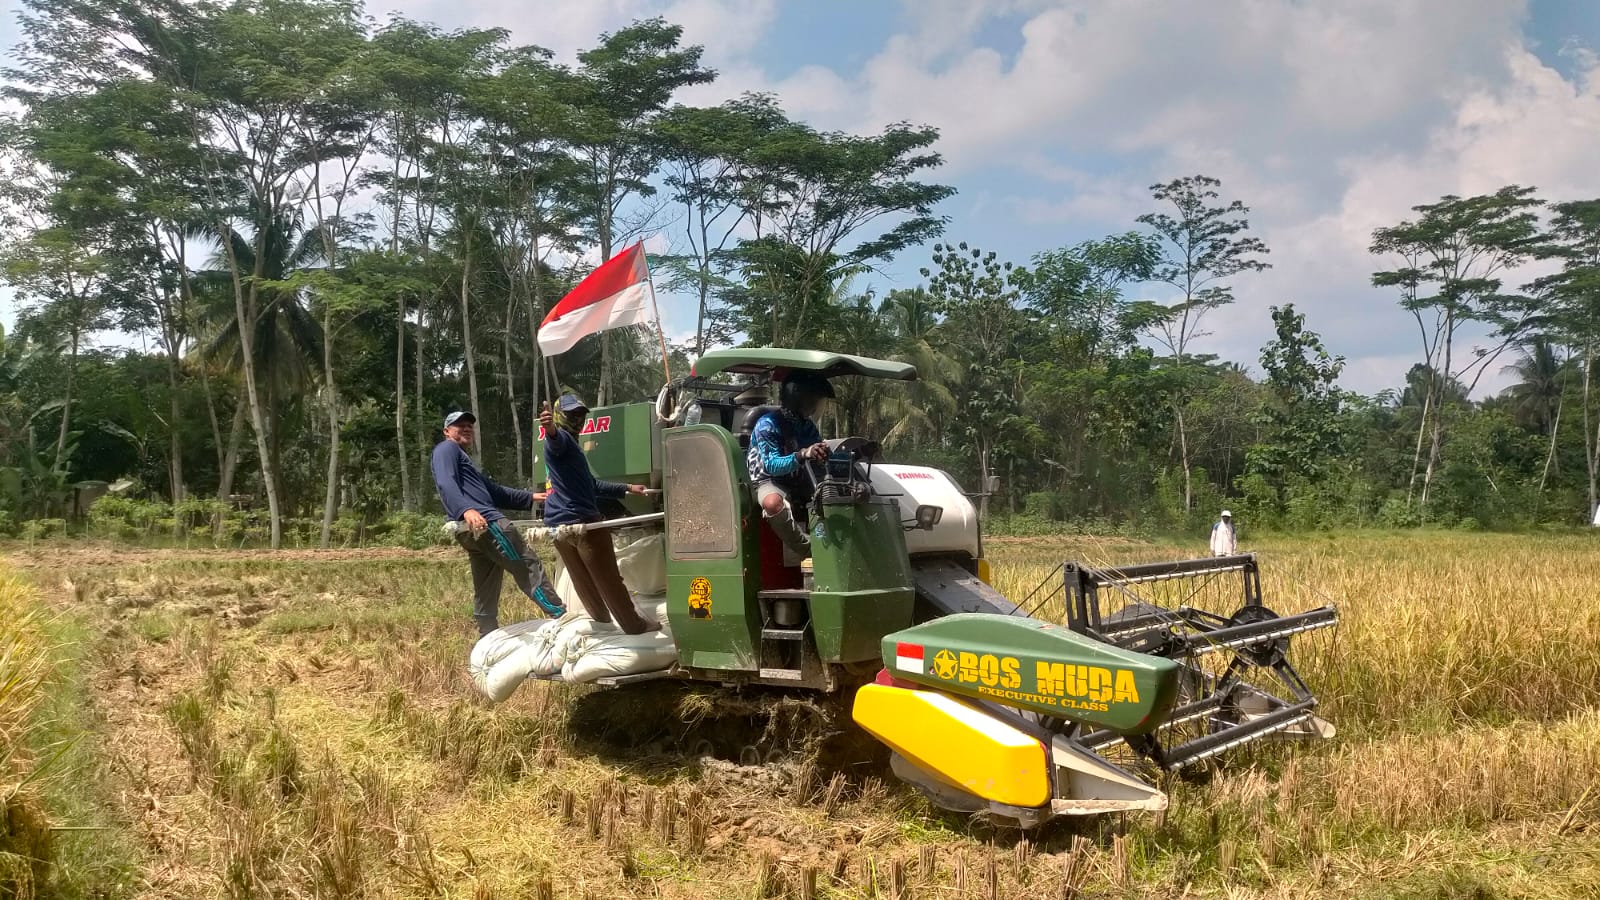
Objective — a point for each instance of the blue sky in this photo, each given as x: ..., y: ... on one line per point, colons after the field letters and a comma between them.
x: 1327, y: 119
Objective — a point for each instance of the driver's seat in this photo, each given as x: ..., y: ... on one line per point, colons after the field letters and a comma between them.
x: 744, y: 422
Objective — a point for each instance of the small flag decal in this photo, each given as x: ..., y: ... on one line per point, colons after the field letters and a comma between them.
x: 908, y: 657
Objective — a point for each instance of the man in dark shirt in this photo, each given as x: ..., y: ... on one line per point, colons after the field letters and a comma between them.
x: 574, y: 499
x: 493, y: 548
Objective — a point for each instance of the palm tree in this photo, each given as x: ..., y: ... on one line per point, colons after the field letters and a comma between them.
x: 287, y: 341
x: 1536, y: 398
x: 922, y: 408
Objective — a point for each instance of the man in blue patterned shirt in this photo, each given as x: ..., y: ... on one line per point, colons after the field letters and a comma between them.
x: 780, y: 442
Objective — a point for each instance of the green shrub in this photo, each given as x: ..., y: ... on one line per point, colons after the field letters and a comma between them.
x: 408, y: 529
x: 1045, y: 505
x: 1396, y: 512
x: 1304, y: 508
x: 127, y: 518
x: 37, y: 529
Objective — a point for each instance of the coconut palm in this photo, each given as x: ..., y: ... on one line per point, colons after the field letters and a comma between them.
x: 1536, y: 397
x: 287, y: 343
x: 923, y: 405
x: 1541, y: 377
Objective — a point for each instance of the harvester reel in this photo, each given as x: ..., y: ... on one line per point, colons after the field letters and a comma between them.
x: 1267, y: 653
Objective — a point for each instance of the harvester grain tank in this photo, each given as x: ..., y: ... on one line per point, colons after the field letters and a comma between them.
x: 984, y: 705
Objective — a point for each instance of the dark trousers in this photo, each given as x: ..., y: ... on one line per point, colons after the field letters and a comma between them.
x: 592, y: 562
x: 494, y: 552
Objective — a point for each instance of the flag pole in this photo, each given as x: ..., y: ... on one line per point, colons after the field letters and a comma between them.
x: 661, y: 333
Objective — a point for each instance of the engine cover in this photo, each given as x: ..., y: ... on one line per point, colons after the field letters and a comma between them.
x: 913, y: 486
x: 1036, y: 666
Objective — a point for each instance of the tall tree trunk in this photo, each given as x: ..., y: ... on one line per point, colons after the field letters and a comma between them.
x: 1422, y: 431
x: 1183, y: 457
x: 246, y: 312
x: 535, y: 316
x: 211, y: 413
x: 1591, y: 436
x: 330, y: 502
x: 605, y: 336
x: 175, y: 467
x: 423, y: 448
x: 466, y: 343
x: 511, y: 389
x: 228, y: 464
x: 230, y: 456
x: 1437, y: 442
x: 1555, y: 430
x: 275, y: 429
x: 66, y: 405
x: 407, y: 501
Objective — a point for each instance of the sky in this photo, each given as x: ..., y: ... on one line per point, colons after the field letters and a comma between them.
x: 1328, y: 120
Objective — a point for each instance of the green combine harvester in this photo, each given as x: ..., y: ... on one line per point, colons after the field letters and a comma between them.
x: 1072, y: 704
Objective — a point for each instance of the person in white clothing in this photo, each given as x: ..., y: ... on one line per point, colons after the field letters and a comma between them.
x: 1224, y: 542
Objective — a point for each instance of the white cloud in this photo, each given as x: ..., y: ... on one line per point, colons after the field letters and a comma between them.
x: 1329, y: 120
x: 728, y: 29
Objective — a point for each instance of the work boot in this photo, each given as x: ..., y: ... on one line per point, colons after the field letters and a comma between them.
x: 796, y: 545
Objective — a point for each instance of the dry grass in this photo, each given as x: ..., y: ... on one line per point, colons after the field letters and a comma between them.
x: 24, y: 834
x: 302, y: 727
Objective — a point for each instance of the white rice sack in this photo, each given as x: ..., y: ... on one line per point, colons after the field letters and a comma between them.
x: 498, y: 644
x: 656, y: 609
x: 570, y: 641
x: 621, y: 654
x: 643, y: 565
x: 506, y: 675
x: 546, y: 657
x: 501, y: 643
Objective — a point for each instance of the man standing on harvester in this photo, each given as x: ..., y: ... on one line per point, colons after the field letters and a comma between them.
x: 779, y: 443
x: 574, y: 496
x: 492, y: 548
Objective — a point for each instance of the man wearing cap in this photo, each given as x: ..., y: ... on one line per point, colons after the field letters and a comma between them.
x: 1223, y: 540
x: 492, y: 548
x: 574, y: 499
x: 780, y: 442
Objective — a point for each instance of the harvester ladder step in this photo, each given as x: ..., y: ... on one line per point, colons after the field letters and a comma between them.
x: 783, y: 634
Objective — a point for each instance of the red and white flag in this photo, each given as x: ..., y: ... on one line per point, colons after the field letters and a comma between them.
x: 908, y: 657
x: 614, y: 295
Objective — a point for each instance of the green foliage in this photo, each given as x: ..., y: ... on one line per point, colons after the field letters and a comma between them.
x: 385, y: 209
x: 410, y: 530
x: 1303, y: 429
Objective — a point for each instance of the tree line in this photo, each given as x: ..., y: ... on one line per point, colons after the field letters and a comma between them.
x: 323, y: 232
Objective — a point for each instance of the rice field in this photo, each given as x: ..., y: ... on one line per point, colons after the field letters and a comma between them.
x: 301, y: 725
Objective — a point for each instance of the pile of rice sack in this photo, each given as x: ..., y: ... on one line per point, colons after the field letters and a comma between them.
x: 575, y: 647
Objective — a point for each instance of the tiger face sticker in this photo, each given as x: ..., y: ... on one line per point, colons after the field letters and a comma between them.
x: 700, y: 598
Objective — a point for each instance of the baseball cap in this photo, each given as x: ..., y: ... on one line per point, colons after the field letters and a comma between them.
x: 462, y: 416
x: 1226, y: 514
x: 570, y: 403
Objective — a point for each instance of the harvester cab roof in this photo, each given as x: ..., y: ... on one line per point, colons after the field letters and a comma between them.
x: 1074, y: 702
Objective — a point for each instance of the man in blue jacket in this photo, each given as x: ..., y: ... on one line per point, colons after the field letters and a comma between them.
x: 781, y: 441
x: 574, y: 499
x: 493, y: 548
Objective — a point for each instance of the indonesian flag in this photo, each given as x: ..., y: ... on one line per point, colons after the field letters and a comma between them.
x: 908, y: 657
x: 614, y: 295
